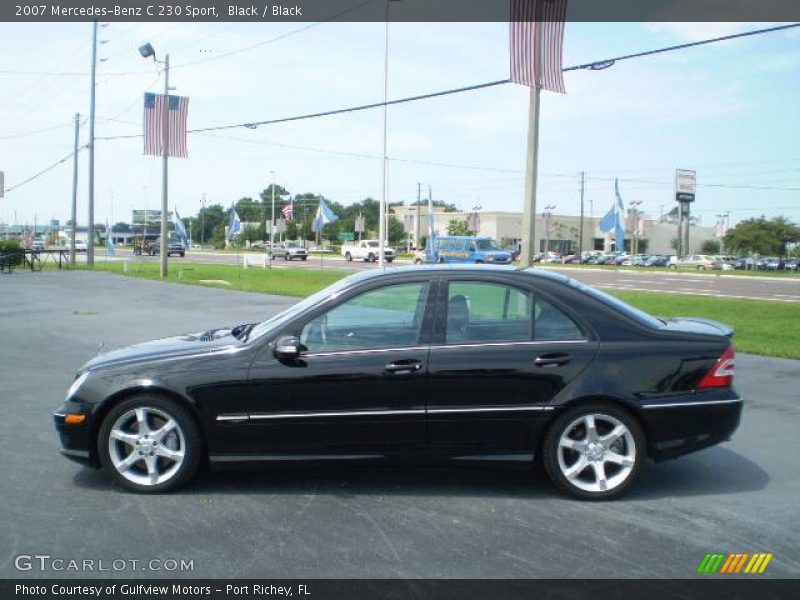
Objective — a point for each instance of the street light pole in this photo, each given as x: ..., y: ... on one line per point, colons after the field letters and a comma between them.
x: 165, y: 159
x: 92, y: 90
x: 74, y: 212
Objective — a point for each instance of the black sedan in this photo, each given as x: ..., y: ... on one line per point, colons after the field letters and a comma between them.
x: 432, y: 363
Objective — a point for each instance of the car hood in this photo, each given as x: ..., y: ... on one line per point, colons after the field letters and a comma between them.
x: 172, y: 347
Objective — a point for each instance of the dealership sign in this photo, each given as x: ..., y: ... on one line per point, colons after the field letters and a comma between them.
x: 685, y: 184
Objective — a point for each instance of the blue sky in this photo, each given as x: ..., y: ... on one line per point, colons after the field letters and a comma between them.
x: 728, y: 110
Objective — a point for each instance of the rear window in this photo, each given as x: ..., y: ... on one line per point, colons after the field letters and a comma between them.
x: 634, y: 313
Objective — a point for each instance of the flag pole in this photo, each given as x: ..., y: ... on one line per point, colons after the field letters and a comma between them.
x: 529, y: 209
x: 165, y: 180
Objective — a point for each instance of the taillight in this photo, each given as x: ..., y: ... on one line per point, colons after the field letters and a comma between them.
x: 721, y: 374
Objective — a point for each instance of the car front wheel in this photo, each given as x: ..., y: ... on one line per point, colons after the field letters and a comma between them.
x: 149, y: 444
x: 593, y: 451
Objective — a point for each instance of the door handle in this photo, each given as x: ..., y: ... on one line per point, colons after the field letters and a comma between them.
x: 403, y: 367
x: 552, y: 360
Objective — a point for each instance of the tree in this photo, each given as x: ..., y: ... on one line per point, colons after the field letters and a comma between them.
x: 762, y: 236
x: 209, y: 219
x: 396, y: 233
x: 710, y: 247
x: 674, y: 215
x: 457, y: 227
x: 249, y: 211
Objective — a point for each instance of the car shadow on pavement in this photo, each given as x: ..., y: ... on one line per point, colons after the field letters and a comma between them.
x: 715, y: 471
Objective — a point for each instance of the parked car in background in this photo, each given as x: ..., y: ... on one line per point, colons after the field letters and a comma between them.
x: 700, y: 262
x: 465, y: 364
x: 720, y: 264
x: 792, y: 264
x: 589, y: 255
x: 153, y: 247
x: 80, y: 246
x: 744, y: 263
x: 290, y: 251
x: 470, y: 249
x: 366, y: 250
x: 657, y: 261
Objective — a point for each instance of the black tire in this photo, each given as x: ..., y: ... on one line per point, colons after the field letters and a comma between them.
x: 418, y: 261
x: 565, y: 421
x: 287, y: 257
x: 348, y: 257
x: 183, y: 254
x: 370, y: 257
x: 303, y: 257
x: 388, y: 260
x: 191, y: 441
x: 478, y: 262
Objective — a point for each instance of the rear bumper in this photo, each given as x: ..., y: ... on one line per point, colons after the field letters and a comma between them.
x: 683, y: 424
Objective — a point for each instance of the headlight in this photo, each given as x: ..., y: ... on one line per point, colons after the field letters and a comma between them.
x: 76, y: 384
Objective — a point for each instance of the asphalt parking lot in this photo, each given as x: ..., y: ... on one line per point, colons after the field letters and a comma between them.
x: 360, y: 522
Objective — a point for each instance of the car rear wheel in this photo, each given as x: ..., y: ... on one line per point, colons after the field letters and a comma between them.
x: 348, y: 257
x: 149, y: 444
x: 593, y: 451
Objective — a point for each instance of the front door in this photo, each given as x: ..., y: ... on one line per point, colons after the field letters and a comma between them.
x: 499, y: 356
x: 358, y: 387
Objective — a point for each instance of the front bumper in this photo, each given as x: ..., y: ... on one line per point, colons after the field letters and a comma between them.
x: 683, y: 424
x: 76, y: 439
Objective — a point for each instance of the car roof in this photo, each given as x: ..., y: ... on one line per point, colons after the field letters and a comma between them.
x: 537, y: 272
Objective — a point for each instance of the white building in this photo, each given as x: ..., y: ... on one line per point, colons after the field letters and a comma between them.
x: 560, y: 233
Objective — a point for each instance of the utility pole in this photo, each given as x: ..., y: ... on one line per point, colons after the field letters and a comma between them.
x: 417, y: 229
x: 165, y: 159
x: 529, y: 207
x: 272, y: 220
x: 92, y: 92
x: 384, y: 161
x: 580, y: 234
x: 202, y: 220
x: 74, y: 213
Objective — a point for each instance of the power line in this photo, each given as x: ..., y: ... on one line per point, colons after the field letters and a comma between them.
x: 592, y: 65
x: 609, y: 62
x: 43, y: 171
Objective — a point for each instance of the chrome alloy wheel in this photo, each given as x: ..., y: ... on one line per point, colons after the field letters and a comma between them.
x: 596, y: 453
x: 146, y: 446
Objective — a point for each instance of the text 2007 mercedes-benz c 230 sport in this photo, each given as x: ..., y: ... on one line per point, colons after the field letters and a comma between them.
x: 433, y: 363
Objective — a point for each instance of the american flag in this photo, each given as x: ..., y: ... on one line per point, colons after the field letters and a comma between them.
x: 537, y: 39
x: 153, y: 125
x: 288, y: 211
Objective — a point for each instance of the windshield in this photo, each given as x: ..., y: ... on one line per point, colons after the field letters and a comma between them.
x: 372, y: 244
x: 294, y: 310
x: 486, y: 244
x: 614, y: 302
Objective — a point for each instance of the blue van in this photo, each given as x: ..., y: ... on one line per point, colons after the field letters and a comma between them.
x: 469, y: 249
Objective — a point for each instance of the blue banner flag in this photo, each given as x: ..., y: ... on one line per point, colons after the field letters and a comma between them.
x: 324, y: 216
x: 235, y: 224
x: 614, y: 220
x: 180, y: 230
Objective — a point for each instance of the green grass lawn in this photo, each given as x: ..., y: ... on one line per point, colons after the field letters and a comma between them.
x: 279, y: 281
x: 762, y: 327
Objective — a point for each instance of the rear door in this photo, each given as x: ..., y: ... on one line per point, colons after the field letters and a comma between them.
x: 500, y: 353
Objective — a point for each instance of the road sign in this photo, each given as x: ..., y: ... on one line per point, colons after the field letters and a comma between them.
x: 685, y: 184
x: 280, y: 225
x: 347, y: 236
x: 360, y: 222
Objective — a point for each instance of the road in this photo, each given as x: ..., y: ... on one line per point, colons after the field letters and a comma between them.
x: 359, y: 522
x: 777, y: 289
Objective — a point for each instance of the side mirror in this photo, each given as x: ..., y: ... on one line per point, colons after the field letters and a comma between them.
x: 287, y: 347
